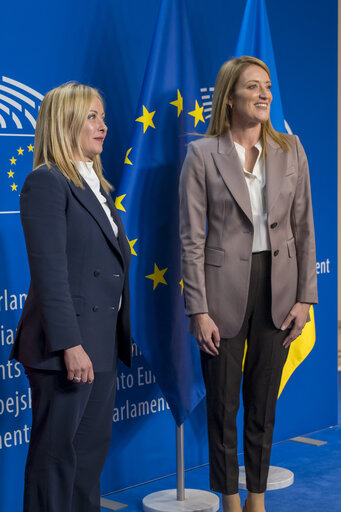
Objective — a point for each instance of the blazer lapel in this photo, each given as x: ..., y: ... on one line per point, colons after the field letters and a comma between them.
x: 228, y: 163
x: 91, y: 203
x: 275, y: 165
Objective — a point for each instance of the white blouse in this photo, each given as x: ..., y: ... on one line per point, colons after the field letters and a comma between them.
x: 86, y: 170
x: 256, y: 183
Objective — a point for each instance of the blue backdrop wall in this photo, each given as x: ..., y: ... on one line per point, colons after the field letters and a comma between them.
x: 106, y: 44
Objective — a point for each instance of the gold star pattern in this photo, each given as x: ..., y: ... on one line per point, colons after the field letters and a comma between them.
x: 10, y: 174
x: 132, y: 243
x: 14, y: 186
x: 157, y: 276
x: 13, y: 160
x: 126, y: 160
x: 197, y: 113
x: 179, y: 103
x: 146, y: 119
x: 181, y: 283
x: 30, y: 147
x: 118, y: 203
x: 20, y: 151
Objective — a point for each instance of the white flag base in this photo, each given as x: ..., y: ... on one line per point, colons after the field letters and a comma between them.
x: 278, y: 478
x: 195, y: 500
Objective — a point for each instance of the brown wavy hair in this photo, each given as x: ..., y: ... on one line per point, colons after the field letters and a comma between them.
x: 226, y: 81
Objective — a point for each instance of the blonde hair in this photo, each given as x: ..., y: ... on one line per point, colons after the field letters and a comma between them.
x: 61, y: 117
x: 221, y: 117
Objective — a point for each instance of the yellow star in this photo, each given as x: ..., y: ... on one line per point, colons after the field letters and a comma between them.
x: 179, y: 103
x: 157, y: 277
x: 118, y: 203
x: 14, y: 186
x: 10, y: 174
x: 30, y: 147
x: 146, y: 119
x: 132, y: 243
x: 13, y: 160
x: 197, y: 113
x: 20, y: 151
x: 181, y: 283
x: 126, y: 160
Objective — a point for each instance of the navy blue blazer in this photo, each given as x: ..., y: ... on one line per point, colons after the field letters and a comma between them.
x: 79, y: 271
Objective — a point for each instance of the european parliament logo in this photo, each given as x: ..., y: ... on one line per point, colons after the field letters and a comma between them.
x: 19, y: 107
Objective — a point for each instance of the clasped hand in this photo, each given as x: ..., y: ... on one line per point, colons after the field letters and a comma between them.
x: 206, y: 333
x: 297, y: 318
x: 78, y: 365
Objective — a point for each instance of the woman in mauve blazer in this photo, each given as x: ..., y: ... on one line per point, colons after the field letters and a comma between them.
x: 249, y: 268
x: 75, y: 322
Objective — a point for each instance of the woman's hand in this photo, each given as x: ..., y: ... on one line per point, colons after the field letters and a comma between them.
x: 206, y: 333
x: 78, y: 365
x: 297, y: 317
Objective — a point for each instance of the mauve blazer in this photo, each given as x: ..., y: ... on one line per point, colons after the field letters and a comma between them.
x: 216, y: 231
x: 79, y: 271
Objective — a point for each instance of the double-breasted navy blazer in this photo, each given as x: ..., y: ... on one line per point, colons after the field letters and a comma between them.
x: 79, y: 272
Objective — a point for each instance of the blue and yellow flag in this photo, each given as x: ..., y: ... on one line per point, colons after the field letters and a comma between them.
x: 168, y: 111
x: 255, y: 40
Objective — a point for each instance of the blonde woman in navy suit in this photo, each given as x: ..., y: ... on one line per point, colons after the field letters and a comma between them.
x: 249, y: 268
x: 75, y: 322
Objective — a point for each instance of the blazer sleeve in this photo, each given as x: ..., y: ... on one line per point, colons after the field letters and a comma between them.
x: 303, y: 230
x: 43, y: 203
x: 193, y: 221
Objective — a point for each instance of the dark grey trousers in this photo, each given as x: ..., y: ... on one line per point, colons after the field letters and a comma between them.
x: 262, y: 375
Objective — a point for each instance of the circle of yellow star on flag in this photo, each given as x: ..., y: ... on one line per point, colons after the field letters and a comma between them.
x: 146, y: 119
x: 157, y: 276
x: 132, y: 243
x: 197, y: 113
x: 118, y: 203
x: 126, y: 160
x: 179, y: 103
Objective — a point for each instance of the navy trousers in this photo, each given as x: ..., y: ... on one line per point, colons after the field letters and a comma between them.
x: 261, y: 380
x: 70, y: 439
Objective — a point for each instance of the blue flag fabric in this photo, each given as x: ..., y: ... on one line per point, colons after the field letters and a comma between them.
x: 168, y: 111
x: 255, y: 40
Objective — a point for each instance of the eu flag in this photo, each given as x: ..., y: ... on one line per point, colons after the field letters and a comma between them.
x: 255, y: 40
x: 168, y: 112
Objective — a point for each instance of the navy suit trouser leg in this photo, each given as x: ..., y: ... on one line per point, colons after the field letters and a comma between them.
x: 70, y: 438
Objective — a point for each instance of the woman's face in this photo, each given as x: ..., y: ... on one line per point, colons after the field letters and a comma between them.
x: 93, y: 132
x: 252, y: 97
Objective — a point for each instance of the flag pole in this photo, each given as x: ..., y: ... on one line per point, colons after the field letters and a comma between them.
x: 180, y: 463
x: 181, y: 499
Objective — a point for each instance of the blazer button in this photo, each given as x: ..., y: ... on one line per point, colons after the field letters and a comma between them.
x: 112, y: 307
x: 95, y: 308
x: 97, y: 273
x: 116, y: 275
x: 276, y: 253
x: 274, y: 225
